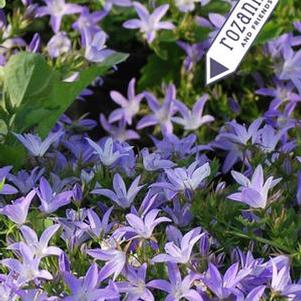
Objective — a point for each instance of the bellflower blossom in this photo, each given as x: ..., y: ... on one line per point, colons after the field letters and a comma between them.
x: 58, y: 45
x: 186, y: 5
x: 225, y: 286
x: 253, y: 192
x: 121, y: 196
x: 291, y: 68
x: 185, y: 180
x: 106, y: 153
x: 38, y: 247
x: 135, y: 288
x: 27, y: 268
x: 148, y: 23
x: 192, y: 120
x: 119, y: 132
x: 88, y: 22
x: 194, y: 54
x: 161, y: 113
x: 144, y: 227
x: 109, y: 4
x: 96, y: 51
x: 154, y: 161
x: 35, y: 145
x: 180, y: 253
x: 87, y: 287
x: 6, y: 189
x: 177, y: 288
x: 234, y: 138
x: 50, y: 200
x: 56, y: 9
x: 18, y: 210
x: 115, y: 261
x: 129, y: 106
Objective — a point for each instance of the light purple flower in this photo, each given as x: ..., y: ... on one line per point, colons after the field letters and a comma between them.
x: 192, y: 120
x: 121, y: 196
x: 177, y: 288
x: 135, y: 288
x: 148, y: 23
x: 225, y: 286
x: 18, y: 210
x: 87, y: 287
x: 27, y: 268
x: 96, y: 51
x: 143, y: 227
x: 58, y: 45
x: 57, y: 9
x: 88, y: 22
x: 115, y: 261
x: 38, y: 247
x: 109, y: 4
x: 186, y: 5
x: 119, y: 132
x: 35, y: 145
x: 6, y: 189
x: 194, y: 54
x: 162, y: 113
x: 129, y: 106
x: 185, y: 180
x: 291, y: 68
x: 180, y: 253
x: 50, y: 200
x: 253, y: 192
x: 154, y: 161
x: 106, y: 154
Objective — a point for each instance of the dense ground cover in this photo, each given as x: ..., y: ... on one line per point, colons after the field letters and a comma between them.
x: 123, y: 177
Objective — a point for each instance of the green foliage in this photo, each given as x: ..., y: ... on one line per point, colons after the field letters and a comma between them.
x: 36, y: 96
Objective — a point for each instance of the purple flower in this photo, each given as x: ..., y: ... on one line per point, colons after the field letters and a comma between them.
x: 144, y: 227
x: 253, y: 192
x: 88, y: 22
x: 106, y: 154
x: 38, y: 247
x: 96, y: 50
x: 6, y: 189
x: 180, y: 253
x: 177, y: 288
x: 50, y: 200
x: 119, y: 132
x: 154, y: 161
x: 35, y: 43
x: 185, y: 180
x: 121, y: 196
x: 35, y: 145
x: 192, y: 120
x: 186, y: 5
x: 226, y: 286
x: 57, y: 9
x: 58, y: 45
x: 234, y: 138
x: 18, y: 210
x: 135, y: 288
x: 162, y: 113
x: 109, y: 4
x: 129, y: 106
x: 87, y: 287
x: 194, y: 54
x: 291, y: 68
x: 256, y: 293
x: 181, y: 215
x: 27, y: 268
x: 95, y: 226
x: 35, y: 294
x: 148, y: 23
x: 115, y: 261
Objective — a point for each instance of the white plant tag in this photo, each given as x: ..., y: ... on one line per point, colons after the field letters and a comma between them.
x: 236, y: 36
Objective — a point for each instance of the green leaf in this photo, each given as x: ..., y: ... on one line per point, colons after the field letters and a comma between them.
x: 37, y: 93
x: 2, y: 3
